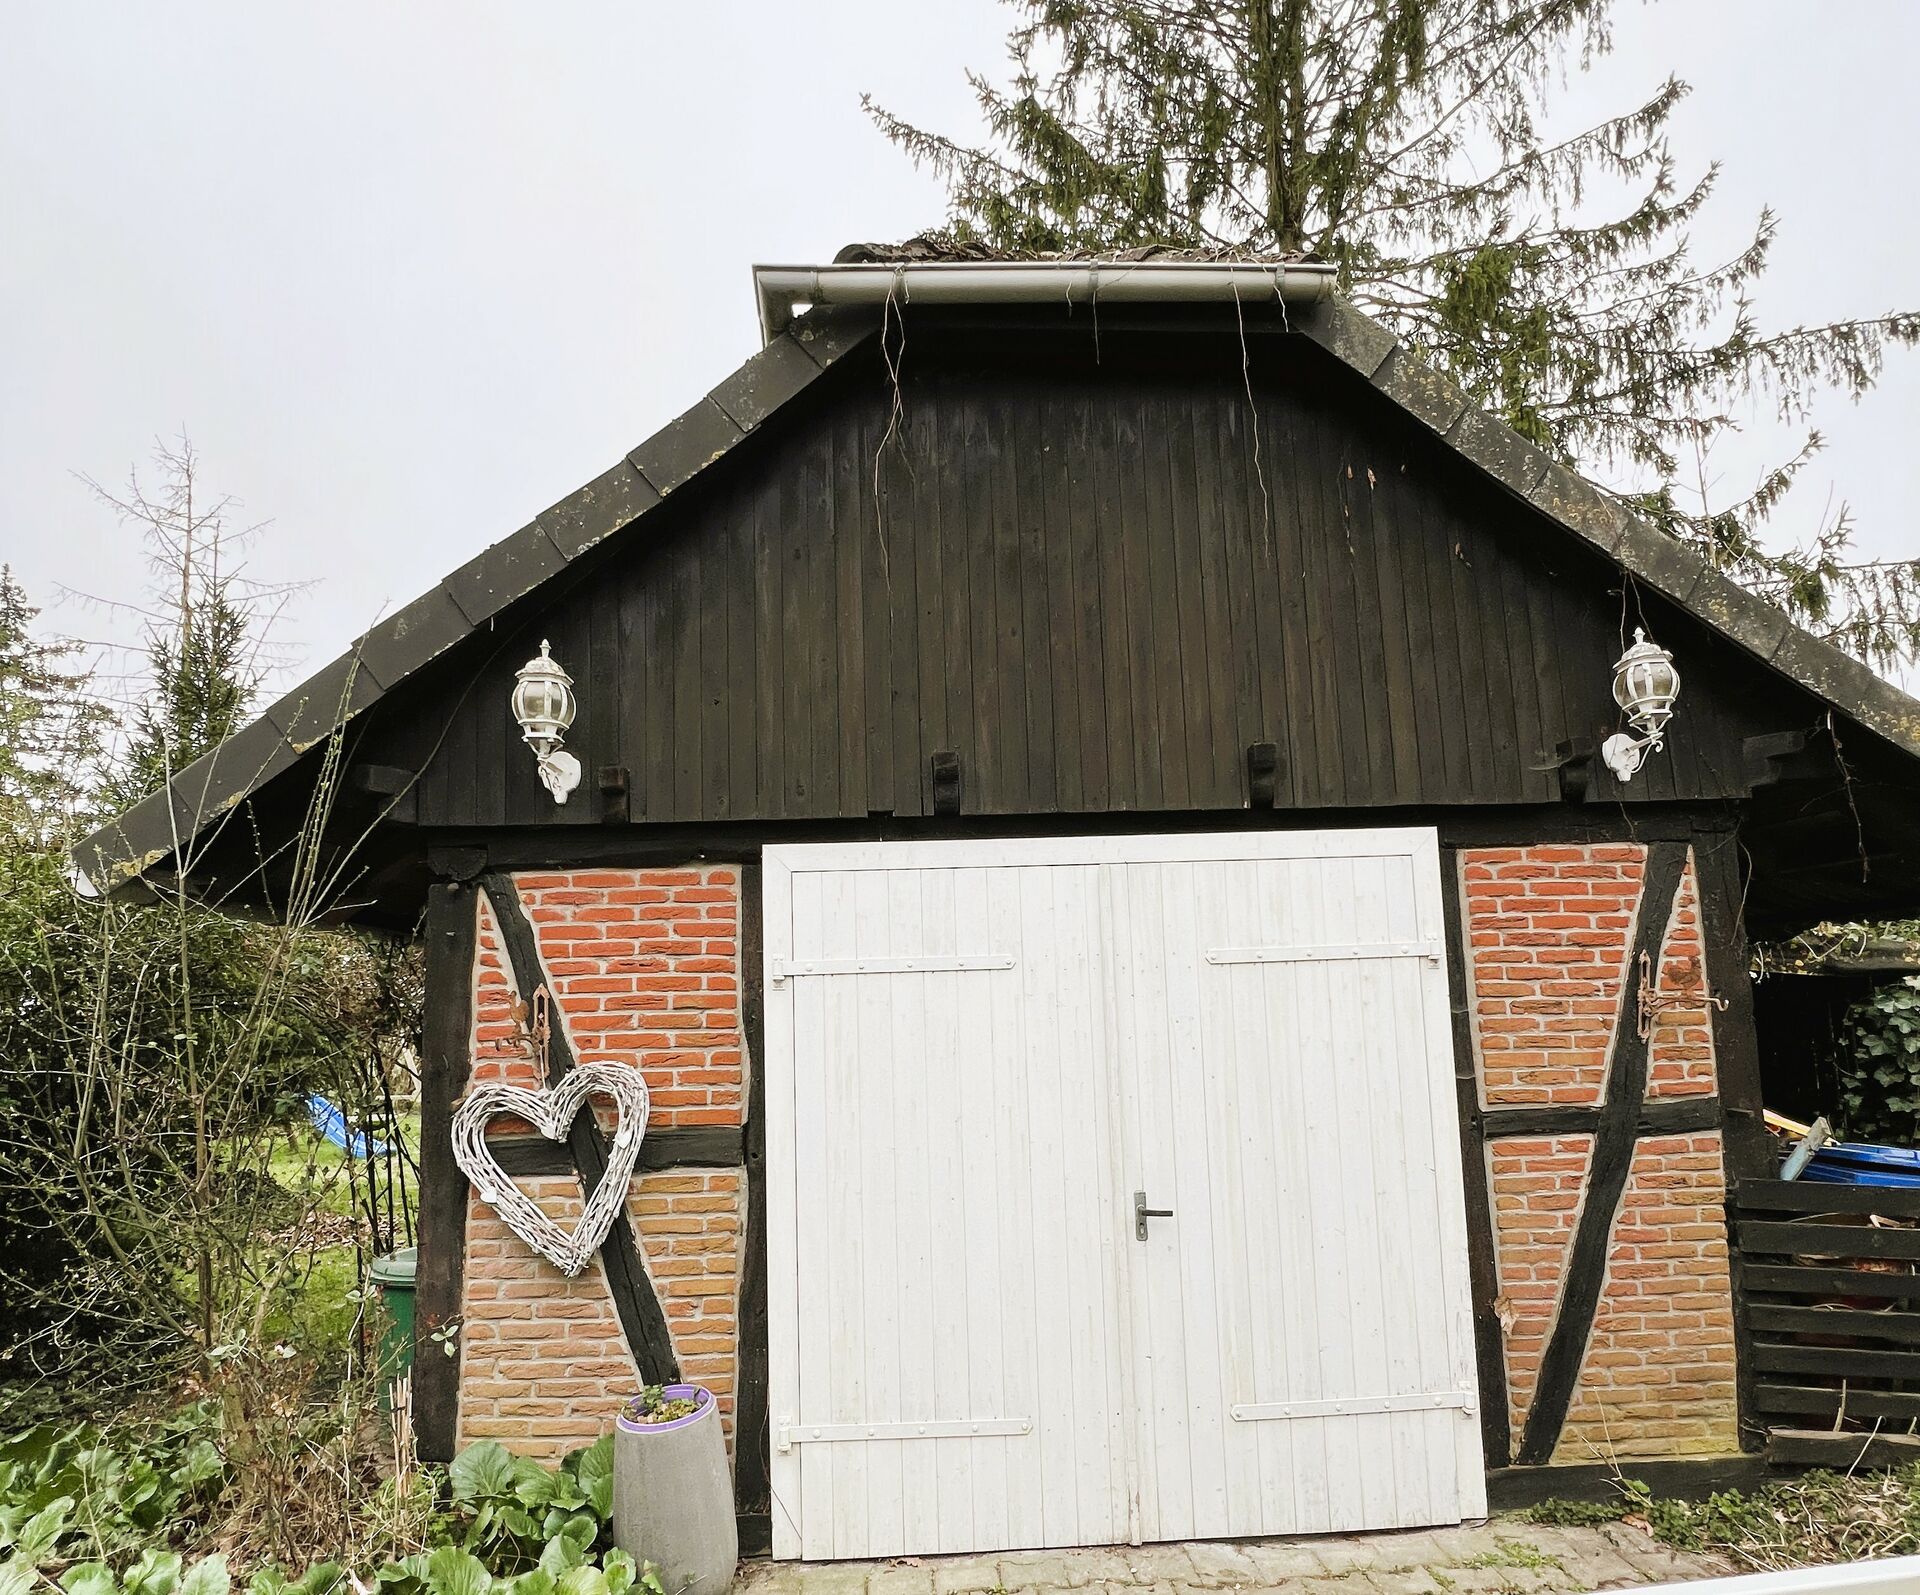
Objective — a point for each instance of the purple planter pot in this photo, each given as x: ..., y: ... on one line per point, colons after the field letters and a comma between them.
x: 673, y: 1495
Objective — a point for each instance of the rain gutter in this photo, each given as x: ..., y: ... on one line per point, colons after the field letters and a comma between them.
x: 784, y: 291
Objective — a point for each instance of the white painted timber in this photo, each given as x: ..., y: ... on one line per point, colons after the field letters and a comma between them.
x: 1251, y: 1029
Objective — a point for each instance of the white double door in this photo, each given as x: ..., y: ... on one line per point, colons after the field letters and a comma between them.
x: 984, y: 1060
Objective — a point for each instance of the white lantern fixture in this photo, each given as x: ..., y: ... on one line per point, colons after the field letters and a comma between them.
x: 1645, y: 685
x: 543, y: 703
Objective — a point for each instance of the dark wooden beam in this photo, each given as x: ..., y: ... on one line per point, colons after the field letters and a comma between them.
x: 1608, y: 1166
x: 1661, y: 1116
x: 1572, y: 765
x: 1514, y: 1489
x: 1785, y: 756
x: 752, y: 1433
x: 944, y: 771
x: 638, y: 1308
x: 445, y: 1051
x: 717, y: 1146
x: 1263, y: 775
x: 394, y: 793
x: 615, y: 794
x: 1483, y: 1271
x: 453, y: 851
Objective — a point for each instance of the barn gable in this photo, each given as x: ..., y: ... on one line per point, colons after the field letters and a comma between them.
x: 1097, y: 565
x: 1098, y: 578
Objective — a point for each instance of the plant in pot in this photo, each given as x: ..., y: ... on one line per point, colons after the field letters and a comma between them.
x: 672, y: 1489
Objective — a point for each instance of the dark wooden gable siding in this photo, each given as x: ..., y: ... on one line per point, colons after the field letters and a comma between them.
x: 1098, y: 580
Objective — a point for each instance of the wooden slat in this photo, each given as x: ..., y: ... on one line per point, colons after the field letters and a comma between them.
x: 1836, y: 1362
x: 1832, y: 1281
x: 1821, y: 1448
x: 1900, y: 1406
x: 1801, y: 1196
x: 1825, y: 1240
x: 1773, y: 1318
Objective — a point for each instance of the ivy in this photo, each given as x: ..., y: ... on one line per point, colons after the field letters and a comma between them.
x: 1879, y: 1065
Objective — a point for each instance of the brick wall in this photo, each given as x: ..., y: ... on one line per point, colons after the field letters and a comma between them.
x: 1535, y: 1184
x: 1549, y: 932
x: 643, y: 967
x: 1658, y: 1376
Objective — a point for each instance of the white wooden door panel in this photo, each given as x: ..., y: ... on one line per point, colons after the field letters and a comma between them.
x: 948, y: 1268
x: 978, y: 1053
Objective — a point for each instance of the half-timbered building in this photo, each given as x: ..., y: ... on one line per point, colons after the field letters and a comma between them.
x: 1159, y: 1020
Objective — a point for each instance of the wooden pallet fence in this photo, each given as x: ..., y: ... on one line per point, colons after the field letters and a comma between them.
x: 1828, y: 1283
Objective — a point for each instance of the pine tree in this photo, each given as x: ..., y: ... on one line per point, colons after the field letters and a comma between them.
x: 50, y: 728
x: 205, y: 629
x: 1403, y: 141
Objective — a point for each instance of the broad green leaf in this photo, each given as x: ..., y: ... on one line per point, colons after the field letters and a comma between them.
x: 16, y: 1578
x: 537, y: 1582
x: 154, y: 1572
x: 484, y: 1469
x: 408, y: 1570
x: 208, y: 1576
x: 323, y: 1578
x: 582, y: 1528
x: 594, y: 1470
x: 89, y: 1578
x: 560, y: 1556
x: 583, y: 1581
x: 201, y: 1463
x: 268, y: 1581
x: 452, y: 1571
x: 40, y: 1533
x: 620, y: 1571
x: 533, y: 1484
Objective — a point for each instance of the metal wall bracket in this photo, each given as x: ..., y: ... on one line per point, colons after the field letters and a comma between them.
x: 782, y: 970
x: 789, y: 1434
x: 1355, y: 1406
x: 1328, y: 953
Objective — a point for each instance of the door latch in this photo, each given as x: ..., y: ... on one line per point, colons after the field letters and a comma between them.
x: 1141, y: 1213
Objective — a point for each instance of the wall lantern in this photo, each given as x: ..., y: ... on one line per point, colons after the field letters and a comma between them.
x: 1644, y: 685
x: 543, y: 704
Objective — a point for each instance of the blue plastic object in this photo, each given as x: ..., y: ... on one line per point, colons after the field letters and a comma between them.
x: 1859, y: 1163
x: 331, y: 1124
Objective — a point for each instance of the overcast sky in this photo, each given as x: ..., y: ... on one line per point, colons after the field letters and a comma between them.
x: 409, y: 273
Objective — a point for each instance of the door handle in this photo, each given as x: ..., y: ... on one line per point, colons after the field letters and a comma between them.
x: 1141, y: 1213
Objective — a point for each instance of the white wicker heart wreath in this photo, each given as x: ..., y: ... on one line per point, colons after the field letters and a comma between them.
x: 552, y: 1113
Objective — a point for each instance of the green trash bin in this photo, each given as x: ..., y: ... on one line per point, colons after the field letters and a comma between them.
x: 393, y: 1277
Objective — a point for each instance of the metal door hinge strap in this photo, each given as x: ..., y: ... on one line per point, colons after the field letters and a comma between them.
x: 782, y: 969
x: 1351, y: 1406
x: 1326, y: 952
x: 792, y: 1434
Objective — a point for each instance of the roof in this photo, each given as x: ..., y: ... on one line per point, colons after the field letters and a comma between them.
x: 121, y: 852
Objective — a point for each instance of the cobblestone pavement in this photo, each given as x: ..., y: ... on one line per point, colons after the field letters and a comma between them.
x: 1492, y: 1558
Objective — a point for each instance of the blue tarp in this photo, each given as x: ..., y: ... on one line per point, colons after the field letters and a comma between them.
x: 331, y: 1124
x: 1858, y: 1163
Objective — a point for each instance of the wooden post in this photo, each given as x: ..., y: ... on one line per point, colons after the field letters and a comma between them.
x: 1489, y: 1348
x: 445, y: 1056
x: 752, y: 1437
